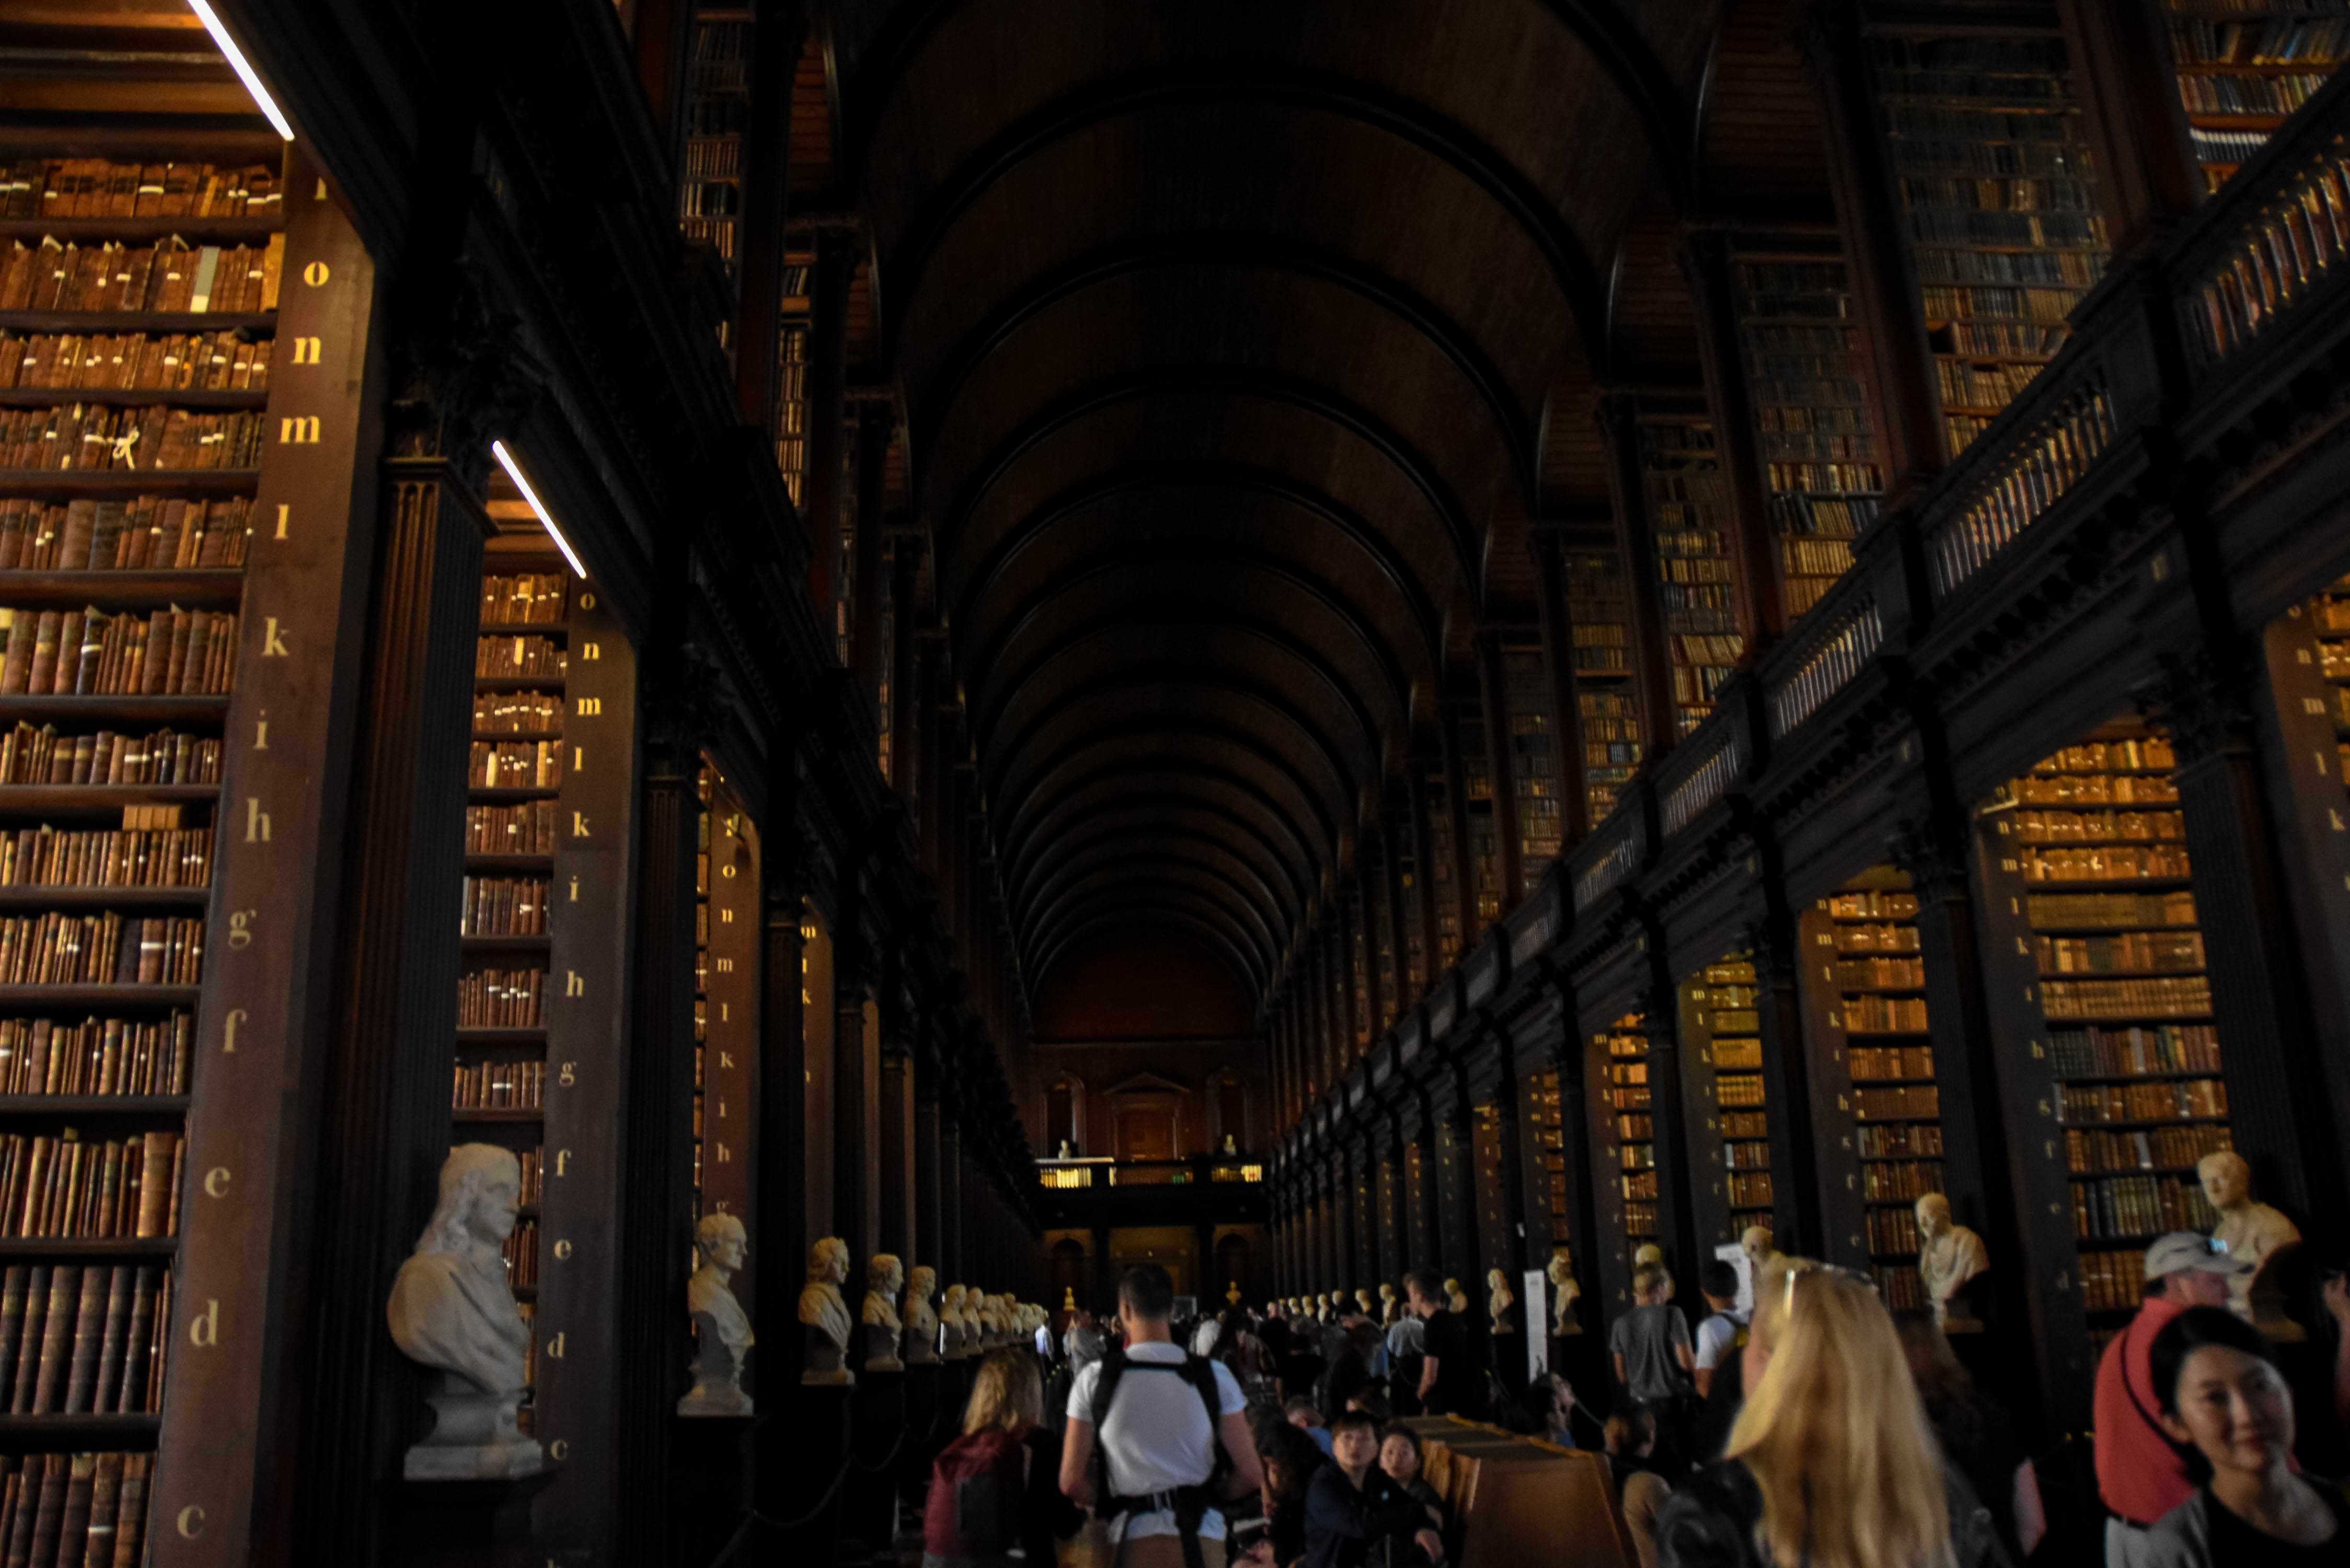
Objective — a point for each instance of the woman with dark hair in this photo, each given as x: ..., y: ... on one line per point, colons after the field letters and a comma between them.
x: 1291, y: 1458
x: 2224, y: 1396
x: 1976, y: 1435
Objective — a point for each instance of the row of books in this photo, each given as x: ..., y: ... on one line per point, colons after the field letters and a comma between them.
x: 1737, y: 1055
x: 1967, y: 385
x: 1999, y: 192
x: 2123, y: 952
x: 2089, y: 1150
x: 2116, y: 1205
x: 2139, y: 753
x: 1901, y: 1288
x: 2274, y: 40
x: 2078, y: 230
x: 2161, y: 1100
x: 2220, y: 94
x: 517, y: 712
x: 1815, y: 557
x: 1946, y: 302
x: 525, y: 828
x: 99, y: 436
x: 1747, y: 1154
x: 2176, y: 908
x: 2134, y: 1051
x: 1867, y: 1062
x: 170, y: 275
x: 1641, y: 1218
x: 116, y: 361
x: 2076, y: 269
x: 1877, y: 904
x: 1750, y: 1189
x: 83, y: 1341
x: 1811, y: 461
x: 501, y: 999
x: 42, y: 756
x: 2000, y: 339
x: 1637, y: 1184
x: 1738, y: 1089
x: 524, y: 598
x: 521, y: 1252
x: 2112, y: 1282
x: 518, y: 655
x: 2041, y: 827
x: 65, y: 1187
x: 2095, y: 789
x: 1884, y: 1014
x: 1889, y: 938
x: 1901, y: 1140
x: 1745, y: 1124
x: 145, y: 533
x: 515, y: 764
x: 164, y: 652
x: 1692, y: 568
x: 499, y: 1086
x: 1899, y: 1181
x: 1893, y: 1231
x: 97, y: 1056
x: 2106, y: 862
x: 1890, y: 1104
x: 1635, y: 1126
x: 503, y: 907
x: 1859, y: 974
x: 59, y: 948
x: 47, y: 856
x: 102, y: 188
x: 1793, y: 414
x: 75, y: 1511
x: 2184, y: 996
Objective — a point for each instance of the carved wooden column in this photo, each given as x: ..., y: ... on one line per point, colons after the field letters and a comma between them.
x: 827, y: 384
x: 384, y: 1108
x: 1677, y: 1229
x: 1707, y: 266
x: 1456, y: 808
x: 1402, y: 903
x: 1501, y: 768
x: 1498, y: 1178
x: 778, y: 28
x: 1797, y: 1213
x: 953, y: 1259
x: 1420, y: 1208
x: 1652, y: 665
x: 909, y: 683
x: 1386, y: 1200
x: 896, y: 1152
x: 1558, y: 662
x: 875, y: 421
x: 2147, y: 173
x: 1574, y: 1147
x: 1455, y: 1183
x: 929, y: 1243
x: 856, y: 1090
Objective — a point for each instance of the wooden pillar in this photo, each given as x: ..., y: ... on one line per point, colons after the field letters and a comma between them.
x: 2147, y: 174
x: 1456, y: 807
x: 1575, y: 1111
x: 1567, y: 709
x: 1423, y: 859
x: 1676, y: 1177
x: 856, y: 1093
x: 1652, y: 665
x: 384, y: 1108
x: 1501, y: 767
x: 783, y: 1203
x: 1798, y: 1217
x: 1387, y: 1201
x: 896, y: 1151
x: 953, y: 1258
x: 827, y: 383
x: 929, y: 1193
x: 1455, y: 1183
x: 778, y: 29
x: 1868, y: 212
x: 1499, y: 1185
x: 1402, y: 905
x: 1418, y: 1138
x: 1706, y: 263
x: 908, y: 682
x: 874, y: 420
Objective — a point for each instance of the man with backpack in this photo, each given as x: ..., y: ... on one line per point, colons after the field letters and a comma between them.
x: 1171, y: 1435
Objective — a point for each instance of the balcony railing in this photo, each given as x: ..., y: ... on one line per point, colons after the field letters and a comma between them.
x: 1199, y: 1170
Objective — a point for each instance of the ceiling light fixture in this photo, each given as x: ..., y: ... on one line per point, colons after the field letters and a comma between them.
x: 505, y: 460
x: 243, y: 69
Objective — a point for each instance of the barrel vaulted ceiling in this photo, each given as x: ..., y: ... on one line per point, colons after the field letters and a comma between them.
x: 1238, y: 341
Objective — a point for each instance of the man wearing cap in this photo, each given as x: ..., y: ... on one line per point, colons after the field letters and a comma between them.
x: 2139, y: 1475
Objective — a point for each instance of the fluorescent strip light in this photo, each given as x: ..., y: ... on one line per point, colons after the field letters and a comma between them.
x: 505, y: 460
x: 244, y: 70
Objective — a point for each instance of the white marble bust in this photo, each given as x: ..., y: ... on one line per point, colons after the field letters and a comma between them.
x: 452, y: 1311
x: 1499, y: 1299
x: 884, y: 1276
x: 1455, y: 1298
x: 721, y: 1330
x: 826, y: 1314
x: 2253, y: 1233
x: 1388, y: 1306
x: 951, y: 1346
x: 1948, y: 1256
x: 921, y: 1323
x: 1762, y: 1254
x: 1561, y: 1277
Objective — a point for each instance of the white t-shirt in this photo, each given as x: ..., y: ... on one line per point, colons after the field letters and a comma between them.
x: 1717, y: 1336
x: 1204, y: 1337
x: 1157, y: 1437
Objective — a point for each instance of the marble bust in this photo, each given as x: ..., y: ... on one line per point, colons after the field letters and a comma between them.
x: 1364, y: 1300
x: 826, y: 1314
x: 1562, y: 1278
x: 1455, y: 1298
x: 452, y: 1311
x: 2253, y: 1233
x: 1948, y: 1256
x: 951, y: 1323
x: 975, y: 1331
x: 1762, y: 1253
x: 1388, y: 1306
x: 921, y: 1323
x: 884, y: 1276
x: 721, y: 1330
x: 1499, y: 1299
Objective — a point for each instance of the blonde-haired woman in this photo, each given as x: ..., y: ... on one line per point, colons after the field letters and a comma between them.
x: 998, y: 1486
x: 1831, y: 1464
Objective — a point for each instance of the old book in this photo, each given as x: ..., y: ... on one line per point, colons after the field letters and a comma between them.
x: 94, y: 623
x: 155, y: 666
x: 16, y: 664
x: 155, y: 1183
x: 158, y: 1358
x: 56, y: 1339
x: 51, y: 1512
x: 68, y: 653
x: 130, y: 1515
x: 28, y: 1504
x: 73, y: 1520
x: 89, y: 1338
x: 12, y: 1323
x: 44, y: 670
x: 81, y: 522
x: 28, y: 1342
x: 9, y: 1494
x: 105, y: 1511
x: 137, y: 1343
x: 121, y: 1289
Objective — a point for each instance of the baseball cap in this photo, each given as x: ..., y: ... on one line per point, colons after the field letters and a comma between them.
x: 2190, y: 1250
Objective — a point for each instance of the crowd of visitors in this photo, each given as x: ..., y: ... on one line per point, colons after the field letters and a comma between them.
x: 1812, y: 1429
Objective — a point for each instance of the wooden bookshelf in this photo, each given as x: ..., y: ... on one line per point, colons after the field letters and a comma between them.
x: 717, y: 114
x: 1534, y: 765
x: 1547, y: 1154
x: 1992, y: 168
x: 1601, y: 615
x: 792, y: 387
x: 1477, y: 813
x: 1686, y: 503
x: 2244, y: 66
x: 1806, y: 364
x: 2091, y: 893
x: 1437, y: 801
x: 1730, y: 1132
x: 1630, y: 1148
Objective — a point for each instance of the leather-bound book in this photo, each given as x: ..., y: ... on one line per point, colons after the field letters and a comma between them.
x: 89, y: 1339
x: 107, y: 1391
x: 41, y: 1551
x: 105, y: 1511
x: 130, y: 1515
x: 73, y: 1520
x: 132, y: 1400
x: 56, y: 1339
x: 12, y: 1325
x: 28, y: 1341
x: 155, y: 1183
x: 28, y: 1506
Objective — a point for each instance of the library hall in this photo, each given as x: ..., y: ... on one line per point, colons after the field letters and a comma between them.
x: 1595, y: 752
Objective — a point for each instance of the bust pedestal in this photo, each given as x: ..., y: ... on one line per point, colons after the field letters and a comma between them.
x: 474, y: 1438
x: 465, y: 1525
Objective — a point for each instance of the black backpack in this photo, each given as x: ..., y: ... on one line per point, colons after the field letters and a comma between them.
x: 1190, y: 1502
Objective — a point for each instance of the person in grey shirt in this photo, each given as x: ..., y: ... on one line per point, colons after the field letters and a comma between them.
x: 1409, y: 1336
